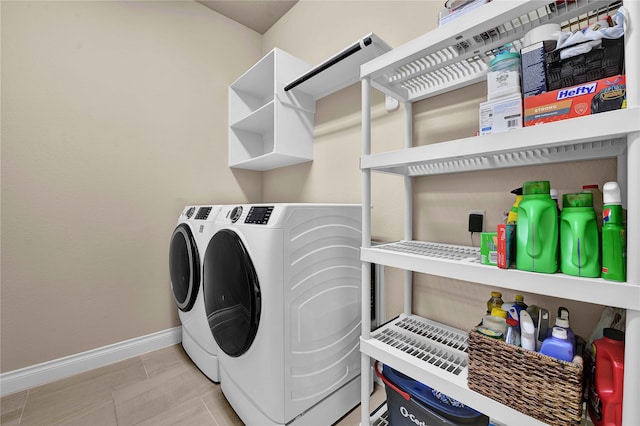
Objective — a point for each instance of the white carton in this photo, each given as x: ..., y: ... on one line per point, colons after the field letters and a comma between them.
x: 500, y: 115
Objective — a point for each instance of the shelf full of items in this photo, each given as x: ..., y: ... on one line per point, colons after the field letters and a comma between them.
x: 452, y: 57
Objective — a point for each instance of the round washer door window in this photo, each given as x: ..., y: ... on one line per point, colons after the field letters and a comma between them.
x: 184, y: 267
x: 231, y: 293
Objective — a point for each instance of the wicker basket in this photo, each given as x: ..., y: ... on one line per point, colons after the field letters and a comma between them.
x: 540, y: 386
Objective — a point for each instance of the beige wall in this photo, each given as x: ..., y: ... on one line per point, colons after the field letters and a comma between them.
x: 315, y: 30
x: 114, y: 117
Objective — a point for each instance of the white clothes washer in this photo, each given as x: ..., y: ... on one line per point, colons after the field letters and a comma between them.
x: 189, y: 240
x: 282, y: 294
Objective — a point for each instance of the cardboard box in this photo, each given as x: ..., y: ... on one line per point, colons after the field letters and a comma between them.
x: 534, y: 75
x: 501, y: 115
x: 506, y: 246
x: 489, y: 248
x: 590, y: 98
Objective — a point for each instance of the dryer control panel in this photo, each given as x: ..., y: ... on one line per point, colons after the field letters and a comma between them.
x: 259, y: 215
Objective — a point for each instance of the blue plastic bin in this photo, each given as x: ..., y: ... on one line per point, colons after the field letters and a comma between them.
x: 412, y: 403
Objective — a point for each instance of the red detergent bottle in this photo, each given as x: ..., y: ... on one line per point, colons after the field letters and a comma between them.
x: 605, y: 392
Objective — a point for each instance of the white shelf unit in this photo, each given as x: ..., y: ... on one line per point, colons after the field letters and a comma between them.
x: 453, y: 56
x: 269, y: 127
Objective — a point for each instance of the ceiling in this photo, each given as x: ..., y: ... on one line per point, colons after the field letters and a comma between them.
x: 259, y: 15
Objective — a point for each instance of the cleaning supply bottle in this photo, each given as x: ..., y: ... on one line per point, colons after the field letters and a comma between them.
x: 512, y: 335
x: 537, y: 229
x: 495, y: 301
x: 614, y: 242
x: 557, y: 345
x: 555, y: 197
x: 562, y: 320
x: 579, y: 242
x: 607, y: 376
x: 513, y: 213
x: 527, y: 331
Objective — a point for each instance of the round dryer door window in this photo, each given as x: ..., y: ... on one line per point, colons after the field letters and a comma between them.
x: 184, y: 267
x: 231, y: 293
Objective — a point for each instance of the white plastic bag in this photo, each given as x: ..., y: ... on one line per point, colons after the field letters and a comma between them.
x: 610, y: 318
x: 580, y: 38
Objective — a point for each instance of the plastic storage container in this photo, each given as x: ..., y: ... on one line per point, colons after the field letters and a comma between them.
x: 503, y: 77
x: 411, y: 403
x: 605, y: 390
x: 537, y: 229
x: 579, y: 242
x: 558, y: 345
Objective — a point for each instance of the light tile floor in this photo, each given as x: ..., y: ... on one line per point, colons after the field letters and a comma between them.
x: 159, y: 388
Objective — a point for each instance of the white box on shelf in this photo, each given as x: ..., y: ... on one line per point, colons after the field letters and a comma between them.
x: 501, y: 115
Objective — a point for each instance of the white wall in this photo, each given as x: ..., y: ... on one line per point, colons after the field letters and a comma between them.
x: 114, y: 117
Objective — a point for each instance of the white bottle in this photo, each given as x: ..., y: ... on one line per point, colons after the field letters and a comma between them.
x: 527, y: 331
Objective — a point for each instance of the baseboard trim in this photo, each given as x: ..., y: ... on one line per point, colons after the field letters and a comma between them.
x: 39, y: 374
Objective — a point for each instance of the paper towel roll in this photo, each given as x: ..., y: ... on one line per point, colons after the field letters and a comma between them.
x: 541, y: 33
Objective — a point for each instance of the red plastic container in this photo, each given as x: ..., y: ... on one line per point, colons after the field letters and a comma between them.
x: 605, y: 393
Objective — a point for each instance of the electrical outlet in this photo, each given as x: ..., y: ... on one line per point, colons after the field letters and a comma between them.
x: 476, y: 220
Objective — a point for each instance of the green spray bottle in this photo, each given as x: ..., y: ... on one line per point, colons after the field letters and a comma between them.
x: 614, y: 242
x: 537, y: 229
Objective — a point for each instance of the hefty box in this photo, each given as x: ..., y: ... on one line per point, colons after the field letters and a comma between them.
x: 590, y: 98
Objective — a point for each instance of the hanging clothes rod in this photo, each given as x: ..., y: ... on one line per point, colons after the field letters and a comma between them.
x: 356, y: 47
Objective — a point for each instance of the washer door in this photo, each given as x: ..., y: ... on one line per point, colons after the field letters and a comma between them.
x: 184, y: 267
x: 231, y: 293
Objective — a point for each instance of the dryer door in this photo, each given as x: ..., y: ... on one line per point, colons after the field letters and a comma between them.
x: 184, y: 267
x: 231, y: 293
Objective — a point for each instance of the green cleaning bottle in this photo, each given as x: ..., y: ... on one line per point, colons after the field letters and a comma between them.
x: 614, y: 242
x: 579, y: 243
x: 537, y: 229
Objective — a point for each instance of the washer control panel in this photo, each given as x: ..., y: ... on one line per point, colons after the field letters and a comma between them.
x: 235, y: 214
x: 259, y: 215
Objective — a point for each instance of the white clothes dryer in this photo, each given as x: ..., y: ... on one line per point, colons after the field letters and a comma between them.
x: 282, y: 294
x: 189, y: 240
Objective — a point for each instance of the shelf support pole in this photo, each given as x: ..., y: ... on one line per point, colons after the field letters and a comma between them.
x: 408, y: 208
x: 631, y: 392
x: 365, y: 370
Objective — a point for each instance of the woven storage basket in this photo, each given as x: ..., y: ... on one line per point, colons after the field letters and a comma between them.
x: 540, y: 386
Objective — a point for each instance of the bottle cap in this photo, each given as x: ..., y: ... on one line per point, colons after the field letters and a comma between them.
x: 580, y: 199
x: 512, y: 321
x: 562, y: 322
x: 536, y: 187
x: 613, y: 334
x: 563, y: 312
x: 519, y: 298
x: 589, y: 187
x: 517, y: 191
x: 554, y: 194
x: 498, y: 312
x: 611, y: 193
x: 496, y: 294
x: 504, y: 55
x: 559, y: 333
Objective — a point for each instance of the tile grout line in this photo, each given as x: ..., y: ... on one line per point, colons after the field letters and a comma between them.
x: 145, y: 367
x: 24, y: 405
x: 208, y: 411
